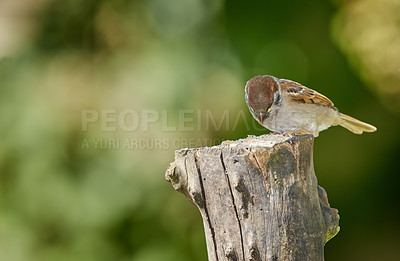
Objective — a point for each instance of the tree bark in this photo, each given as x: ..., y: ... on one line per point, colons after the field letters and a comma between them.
x: 258, y: 197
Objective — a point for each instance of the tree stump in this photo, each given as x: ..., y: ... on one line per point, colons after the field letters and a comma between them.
x: 258, y: 197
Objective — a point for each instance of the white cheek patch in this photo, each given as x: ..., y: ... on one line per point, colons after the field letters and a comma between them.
x: 277, y: 98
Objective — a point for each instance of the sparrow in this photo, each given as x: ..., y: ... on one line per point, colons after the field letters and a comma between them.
x: 285, y: 106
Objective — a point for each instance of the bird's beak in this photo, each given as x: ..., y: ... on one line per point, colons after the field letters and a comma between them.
x: 261, y: 117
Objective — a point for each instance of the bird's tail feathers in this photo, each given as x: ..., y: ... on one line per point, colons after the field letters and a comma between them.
x: 355, y: 125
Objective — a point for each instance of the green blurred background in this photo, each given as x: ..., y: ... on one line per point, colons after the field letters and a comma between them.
x: 60, y: 200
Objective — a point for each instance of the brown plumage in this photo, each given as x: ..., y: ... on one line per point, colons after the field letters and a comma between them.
x: 302, y: 94
x: 261, y: 92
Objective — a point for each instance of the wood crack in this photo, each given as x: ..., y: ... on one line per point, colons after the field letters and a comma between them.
x: 205, y: 206
x: 234, y: 205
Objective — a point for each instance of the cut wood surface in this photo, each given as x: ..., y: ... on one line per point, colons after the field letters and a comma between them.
x: 258, y: 197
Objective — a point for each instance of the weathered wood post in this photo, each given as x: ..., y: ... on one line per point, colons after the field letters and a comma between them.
x: 258, y: 197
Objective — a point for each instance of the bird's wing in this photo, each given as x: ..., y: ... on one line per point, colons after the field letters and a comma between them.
x: 301, y: 94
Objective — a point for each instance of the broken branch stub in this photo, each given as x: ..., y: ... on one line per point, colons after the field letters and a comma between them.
x: 258, y: 197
